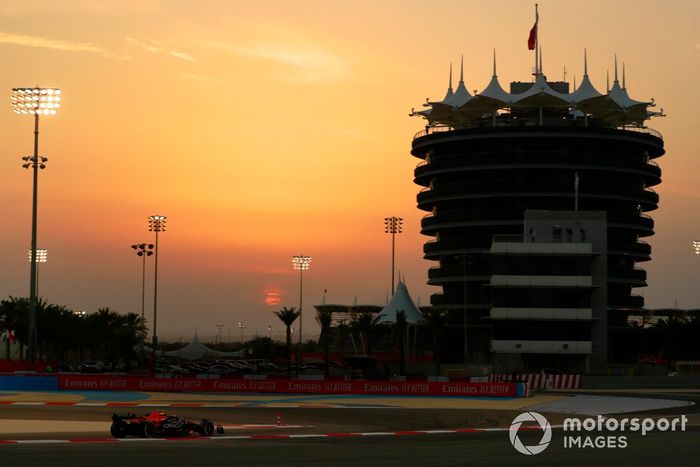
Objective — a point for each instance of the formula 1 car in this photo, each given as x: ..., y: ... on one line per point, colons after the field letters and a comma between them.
x: 157, y: 423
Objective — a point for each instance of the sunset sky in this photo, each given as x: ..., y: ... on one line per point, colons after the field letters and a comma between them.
x: 269, y: 129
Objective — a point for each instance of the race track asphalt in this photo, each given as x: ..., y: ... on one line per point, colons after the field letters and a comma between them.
x: 485, y: 449
x: 407, y: 448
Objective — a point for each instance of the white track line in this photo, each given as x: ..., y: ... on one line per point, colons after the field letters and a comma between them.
x: 254, y: 437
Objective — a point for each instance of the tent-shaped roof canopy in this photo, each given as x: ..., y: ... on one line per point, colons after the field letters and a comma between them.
x: 460, y: 109
x: 195, y: 350
x: 401, y: 300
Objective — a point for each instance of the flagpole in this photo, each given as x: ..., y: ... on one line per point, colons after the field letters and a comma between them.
x: 537, y: 41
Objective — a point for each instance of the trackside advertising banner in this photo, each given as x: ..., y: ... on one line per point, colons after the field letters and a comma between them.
x: 136, y: 383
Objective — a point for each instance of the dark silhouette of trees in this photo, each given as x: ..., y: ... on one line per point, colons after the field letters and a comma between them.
x: 106, y: 335
x: 288, y: 316
x: 365, y: 324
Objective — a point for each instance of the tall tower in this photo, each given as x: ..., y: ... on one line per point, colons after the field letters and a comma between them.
x: 487, y: 158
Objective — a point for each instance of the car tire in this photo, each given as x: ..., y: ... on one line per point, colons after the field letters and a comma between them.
x: 206, y: 428
x: 118, y: 430
x: 148, y: 430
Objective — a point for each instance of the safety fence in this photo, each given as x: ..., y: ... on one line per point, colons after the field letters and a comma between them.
x: 540, y: 380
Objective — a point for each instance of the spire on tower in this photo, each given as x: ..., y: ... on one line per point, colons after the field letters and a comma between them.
x: 585, y: 62
x: 623, y: 76
x: 615, y: 69
x: 461, y: 70
x: 494, y: 63
x: 450, y: 86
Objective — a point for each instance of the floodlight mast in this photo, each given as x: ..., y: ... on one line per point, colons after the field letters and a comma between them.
x: 34, y: 101
x: 301, y: 263
x: 143, y: 250
x: 393, y: 225
x: 157, y: 224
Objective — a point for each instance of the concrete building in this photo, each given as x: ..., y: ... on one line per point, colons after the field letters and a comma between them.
x: 549, y: 293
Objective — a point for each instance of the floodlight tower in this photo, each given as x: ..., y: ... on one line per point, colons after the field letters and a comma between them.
x: 301, y: 263
x: 143, y: 250
x: 34, y: 101
x: 41, y: 257
x: 157, y: 224
x: 393, y: 225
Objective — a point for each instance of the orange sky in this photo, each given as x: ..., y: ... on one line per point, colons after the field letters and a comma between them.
x: 280, y: 128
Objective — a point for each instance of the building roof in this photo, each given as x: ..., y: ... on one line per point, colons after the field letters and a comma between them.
x: 459, y: 109
x: 401, y: 300
x: 195, y: 350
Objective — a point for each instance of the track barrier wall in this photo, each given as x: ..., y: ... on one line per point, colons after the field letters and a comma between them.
x: 542, y: 381
x: 29, y: 382
x: 282, y: 386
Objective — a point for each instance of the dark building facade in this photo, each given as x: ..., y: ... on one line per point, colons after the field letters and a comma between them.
x: 549, y: 293
x: 487, y: 158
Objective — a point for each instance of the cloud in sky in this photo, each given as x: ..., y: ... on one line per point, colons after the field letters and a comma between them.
x: 155, y: 48
x: 55, y: 44
x: 309, y: 64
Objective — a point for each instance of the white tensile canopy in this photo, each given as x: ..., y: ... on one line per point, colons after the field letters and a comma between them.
x: 400, y: 301
x: 615, y: 108
x: 195, y: 350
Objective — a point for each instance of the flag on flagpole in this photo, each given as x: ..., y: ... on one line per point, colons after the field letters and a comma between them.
x: 533, y: 37
x: 532, y: 40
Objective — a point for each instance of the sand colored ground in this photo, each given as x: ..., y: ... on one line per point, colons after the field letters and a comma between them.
x: 51, y: 426
x: 281, y: 400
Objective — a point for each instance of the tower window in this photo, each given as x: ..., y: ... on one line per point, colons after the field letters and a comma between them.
x: 556, y: 233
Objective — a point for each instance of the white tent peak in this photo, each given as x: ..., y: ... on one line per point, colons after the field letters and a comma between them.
x: 400, y: 301
x: 613, y: 108
x: 195, y: 350
x: 450, y: 92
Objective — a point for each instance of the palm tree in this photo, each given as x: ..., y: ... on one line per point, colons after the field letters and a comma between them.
x: 288, y: 316
x: 324, y: 318
x: 51, y: 327
x: 103, y: 327
x: 436, y: 320
x: 400, y: 329
x: 365, y: 323
x: 130, y: 332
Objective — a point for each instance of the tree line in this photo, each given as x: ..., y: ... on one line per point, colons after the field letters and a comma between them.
x: 65, y: 335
